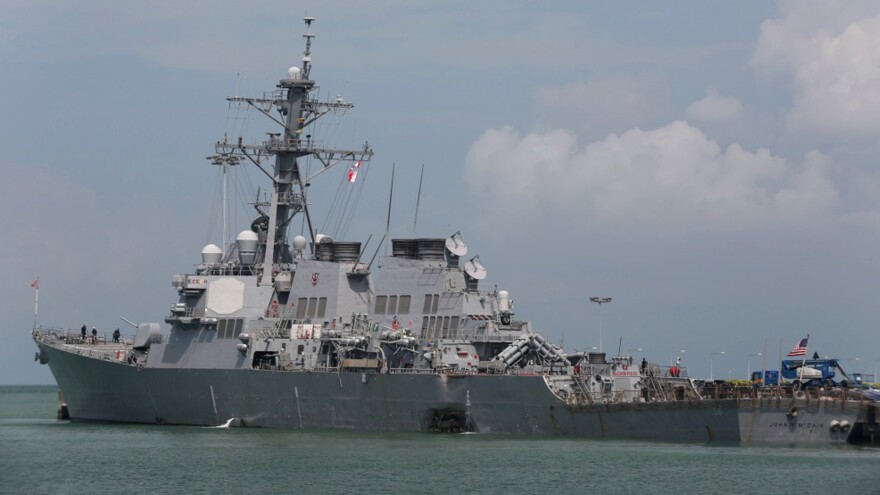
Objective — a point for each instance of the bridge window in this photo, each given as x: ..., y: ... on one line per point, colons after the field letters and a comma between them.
x: 381, y: 302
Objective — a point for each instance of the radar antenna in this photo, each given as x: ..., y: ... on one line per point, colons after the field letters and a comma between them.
x: 296, y: 111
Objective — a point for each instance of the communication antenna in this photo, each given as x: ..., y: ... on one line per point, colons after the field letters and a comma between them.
x: 390, y: 196
x: 307, y: 55
x: 418, y: 199
x: 224, y: 160
x: 455, y: 245
x: 356, y: 261
x: 376, y: 253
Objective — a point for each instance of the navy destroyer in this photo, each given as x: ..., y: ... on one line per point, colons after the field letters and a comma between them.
x: 303, y: 331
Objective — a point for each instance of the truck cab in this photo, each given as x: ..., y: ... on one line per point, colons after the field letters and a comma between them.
x: 765, y: 378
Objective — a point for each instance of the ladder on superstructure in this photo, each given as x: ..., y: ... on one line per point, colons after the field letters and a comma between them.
x: 655, y: 386
x: 581, y: 390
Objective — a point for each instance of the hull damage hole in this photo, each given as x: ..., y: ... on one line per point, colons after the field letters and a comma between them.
x: 448, y: 421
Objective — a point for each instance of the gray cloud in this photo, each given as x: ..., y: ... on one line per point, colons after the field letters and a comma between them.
x: 672, y: 174
x: 830, y: 53
x: 715, y: 108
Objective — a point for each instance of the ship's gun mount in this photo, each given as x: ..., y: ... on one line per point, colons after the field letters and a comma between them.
x: 146, y: 335
x: 505, y: 307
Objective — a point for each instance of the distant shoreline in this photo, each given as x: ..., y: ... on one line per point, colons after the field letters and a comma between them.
x: 32, y: 385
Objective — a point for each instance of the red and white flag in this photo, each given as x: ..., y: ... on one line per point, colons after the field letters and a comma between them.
x: 36, y: 283
x: 353, y: 171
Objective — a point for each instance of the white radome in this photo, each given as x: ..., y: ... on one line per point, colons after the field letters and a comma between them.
x: 211, y: 254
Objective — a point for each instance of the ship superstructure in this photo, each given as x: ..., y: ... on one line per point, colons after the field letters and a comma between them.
x: 304, y: 332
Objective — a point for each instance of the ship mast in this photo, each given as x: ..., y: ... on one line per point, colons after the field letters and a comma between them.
x: 296, y: 110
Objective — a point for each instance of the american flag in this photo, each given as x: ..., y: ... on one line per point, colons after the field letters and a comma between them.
x: 800, y: 349
x: 36, y: 283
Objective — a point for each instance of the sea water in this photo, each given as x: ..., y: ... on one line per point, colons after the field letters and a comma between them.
x: 39, y: 454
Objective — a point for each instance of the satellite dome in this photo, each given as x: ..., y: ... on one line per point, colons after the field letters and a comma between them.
x: 247, y: 246
x: 293, y: 72
x: 299, y: 242
x: 247, y: 241
x: 211, y: 254
x: 321, y: 239
x: 246, y: 235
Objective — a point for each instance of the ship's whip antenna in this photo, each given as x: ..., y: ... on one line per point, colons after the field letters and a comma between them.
x: 358, y: 259
x: 377, y: 251
x: 418, y: 199
x: 390, y: 196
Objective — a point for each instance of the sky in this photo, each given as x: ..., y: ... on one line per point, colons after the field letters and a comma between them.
x: 710, y: 166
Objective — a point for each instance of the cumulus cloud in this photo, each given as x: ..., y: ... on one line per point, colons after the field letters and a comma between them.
x: 673, y: 172
x: 715, y: 108
x: 833, y: 57
x: 602, y: 104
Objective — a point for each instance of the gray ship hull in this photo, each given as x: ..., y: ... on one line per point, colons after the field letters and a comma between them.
x: 304, y: 332
x: 798, y: 421
x: 108, y: 390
